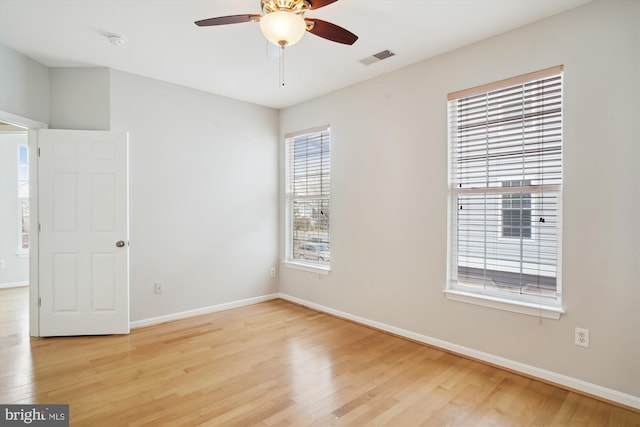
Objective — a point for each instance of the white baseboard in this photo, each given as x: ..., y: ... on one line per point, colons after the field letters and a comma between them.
x: 531, y: 371
x: 13, y: 285
x: 201, y: 311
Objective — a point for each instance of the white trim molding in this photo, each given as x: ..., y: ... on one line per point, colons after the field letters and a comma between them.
x: 555, y: 378
x: 8, y: 285
x: 311, y: 268
x: 522, y: 307
x: 13, y: 119
x: 201, y: 311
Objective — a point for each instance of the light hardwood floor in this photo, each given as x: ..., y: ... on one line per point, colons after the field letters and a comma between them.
x: 272, y: 364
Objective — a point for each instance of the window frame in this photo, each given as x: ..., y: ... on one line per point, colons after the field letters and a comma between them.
x: 548, y: 305
x: 314, y: 266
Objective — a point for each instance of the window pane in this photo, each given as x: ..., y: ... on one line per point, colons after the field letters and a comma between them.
x: 308, y: 188
x: 23, y: 163
x: 311, y: 230
x: 505, y: 172
x: 24, y: 231
x: 311, y: 165
x: 23, y: 196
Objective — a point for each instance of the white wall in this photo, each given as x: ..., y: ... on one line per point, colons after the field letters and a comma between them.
x: 204, y: 195
x: 79, y: 98
x: 389, y: 197
x: 203, y: 178
x: 24, y: 86
x: 16, y: 266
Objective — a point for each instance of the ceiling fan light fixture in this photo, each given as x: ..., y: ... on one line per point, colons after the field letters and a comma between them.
x: 283, y: 28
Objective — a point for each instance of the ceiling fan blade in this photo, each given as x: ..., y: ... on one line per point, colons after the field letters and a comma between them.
x: 332, y: 32
x: 317, y: 4
x: 224, y: 20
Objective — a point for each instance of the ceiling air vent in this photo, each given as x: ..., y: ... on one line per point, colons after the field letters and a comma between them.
x: 377, y: 57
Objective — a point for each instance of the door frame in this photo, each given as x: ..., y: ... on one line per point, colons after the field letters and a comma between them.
x: 34, y: 282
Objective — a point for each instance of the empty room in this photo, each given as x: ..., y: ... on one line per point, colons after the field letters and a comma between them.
x: 320, y: 212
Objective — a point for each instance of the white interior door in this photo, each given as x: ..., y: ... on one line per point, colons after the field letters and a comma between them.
x: 83, y: 232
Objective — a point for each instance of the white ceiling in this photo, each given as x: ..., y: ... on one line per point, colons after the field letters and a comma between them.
x: 233, y: 60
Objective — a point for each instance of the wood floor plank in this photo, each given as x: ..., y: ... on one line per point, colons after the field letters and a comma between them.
x: 272, y: 364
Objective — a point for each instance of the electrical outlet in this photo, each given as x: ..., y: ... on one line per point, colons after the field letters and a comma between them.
x: 582, y: 337
x: 273, y: 272
x: 157, y: 288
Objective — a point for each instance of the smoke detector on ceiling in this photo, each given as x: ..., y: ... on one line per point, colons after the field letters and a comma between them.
x: 377, y: 57
x: 115, y: 39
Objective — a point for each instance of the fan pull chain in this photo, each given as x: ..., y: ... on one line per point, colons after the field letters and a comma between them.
x: 282, y: 65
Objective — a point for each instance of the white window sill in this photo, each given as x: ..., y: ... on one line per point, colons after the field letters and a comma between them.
x: 531, y: 309
x: 305, y: 266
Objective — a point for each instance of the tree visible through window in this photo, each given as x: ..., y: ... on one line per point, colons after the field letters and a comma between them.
x: 308, y: 189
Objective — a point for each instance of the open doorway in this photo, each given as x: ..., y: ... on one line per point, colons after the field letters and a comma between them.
x: 14, y: 229
x: 22, y: 124
x: 114, y: 146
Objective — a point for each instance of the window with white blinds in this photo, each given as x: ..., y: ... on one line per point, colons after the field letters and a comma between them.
x: 505, y: 175
x: 308, y: 179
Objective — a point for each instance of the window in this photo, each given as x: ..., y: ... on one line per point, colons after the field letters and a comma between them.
x: 308, y: 169
x: 505, y: 177
x: 516, y: 212
x: 23, y: 198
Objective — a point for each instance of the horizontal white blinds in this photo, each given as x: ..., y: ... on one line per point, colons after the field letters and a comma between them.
x: 511, y: 132
x: 310, y: 165
x: 308, y: 193
x: 505, y: 176
x: 507, y: 247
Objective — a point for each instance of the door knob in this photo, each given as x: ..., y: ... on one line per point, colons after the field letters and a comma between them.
x: 120, y: 243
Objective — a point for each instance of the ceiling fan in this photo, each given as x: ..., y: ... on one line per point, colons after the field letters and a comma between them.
x: 283, y: 22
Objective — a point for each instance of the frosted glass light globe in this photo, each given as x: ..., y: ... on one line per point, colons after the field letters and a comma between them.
x: 283, y: 28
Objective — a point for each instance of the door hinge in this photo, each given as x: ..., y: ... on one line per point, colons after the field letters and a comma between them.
x: 38, y: 151
x: 39, y: 228
x: 39, y: 301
